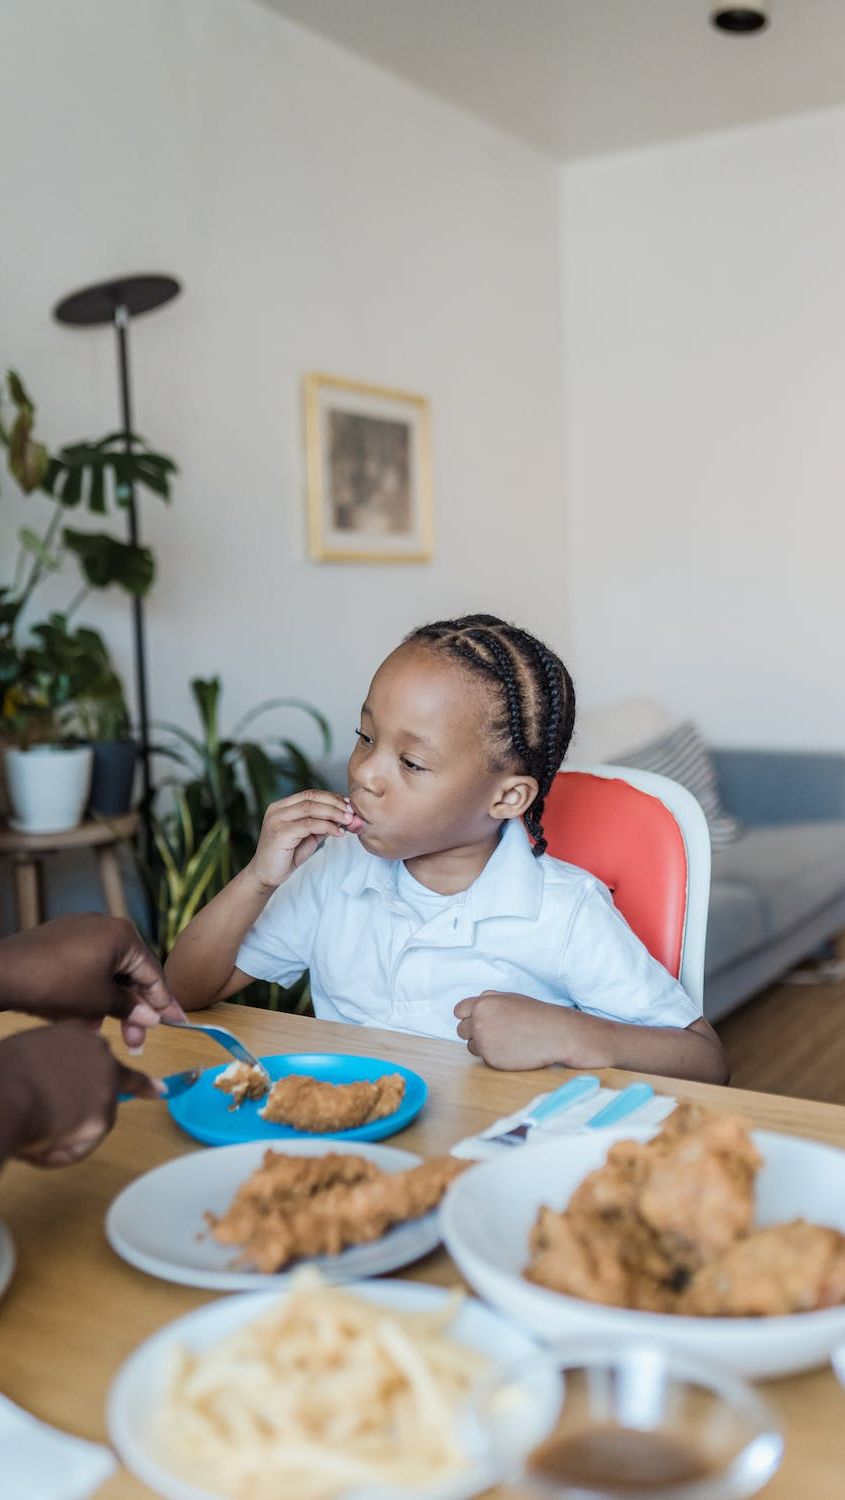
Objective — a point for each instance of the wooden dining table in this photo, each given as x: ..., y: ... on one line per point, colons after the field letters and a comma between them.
x: 74, y: 1311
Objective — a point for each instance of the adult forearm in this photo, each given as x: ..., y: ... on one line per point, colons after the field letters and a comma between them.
x: 201, y: 967
x: 693, y: 1052
x: 21, y: 978
x: 15, y: 1112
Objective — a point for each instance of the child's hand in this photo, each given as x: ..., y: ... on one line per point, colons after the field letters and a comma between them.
x: 514, y: 1032
x: 294, y: 828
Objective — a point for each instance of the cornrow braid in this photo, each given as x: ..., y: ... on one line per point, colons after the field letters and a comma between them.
x: 536, y: 697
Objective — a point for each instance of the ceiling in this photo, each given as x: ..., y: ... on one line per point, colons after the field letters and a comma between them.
x: 577, y: 77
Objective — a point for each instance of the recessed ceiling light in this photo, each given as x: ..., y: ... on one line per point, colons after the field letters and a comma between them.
x: 740, y: 20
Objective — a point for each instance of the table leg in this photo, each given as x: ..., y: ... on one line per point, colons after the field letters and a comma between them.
x: 110, y: 880
x: 27, y: 894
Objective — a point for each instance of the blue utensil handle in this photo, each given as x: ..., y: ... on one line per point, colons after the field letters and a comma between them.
x: 631, y: 1098
x: 174, y: 1084
x: 573, y: 1092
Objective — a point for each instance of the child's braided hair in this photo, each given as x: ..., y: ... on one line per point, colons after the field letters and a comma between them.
x: 537, y: 699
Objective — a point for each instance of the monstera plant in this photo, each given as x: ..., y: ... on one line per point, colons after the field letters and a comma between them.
x: 57, y: 679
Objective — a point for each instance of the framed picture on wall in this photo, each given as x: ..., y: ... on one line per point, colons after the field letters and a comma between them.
x: 369, y: 472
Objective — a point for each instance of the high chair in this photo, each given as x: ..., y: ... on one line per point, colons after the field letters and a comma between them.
x: 647, y: 839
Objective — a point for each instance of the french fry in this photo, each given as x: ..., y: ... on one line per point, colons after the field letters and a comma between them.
x: 323, y: 1394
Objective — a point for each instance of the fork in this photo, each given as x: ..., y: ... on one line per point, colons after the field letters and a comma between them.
x: 573, y: 1092
x: 225, y: 1039
x: 174, y: 1085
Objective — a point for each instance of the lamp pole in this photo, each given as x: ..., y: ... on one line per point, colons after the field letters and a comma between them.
x: 117, y: 302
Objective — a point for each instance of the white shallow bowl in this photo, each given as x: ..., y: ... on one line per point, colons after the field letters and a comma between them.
x: 140, y: 1383
x: 488, y: 1214
x: 158, y: 1224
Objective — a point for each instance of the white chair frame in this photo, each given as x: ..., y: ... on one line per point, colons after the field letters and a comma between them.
x: 688, y: 815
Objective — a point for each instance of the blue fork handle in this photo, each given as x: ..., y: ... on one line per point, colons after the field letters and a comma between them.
x: 174, y: 1083
x: 573, y: 1092
x: 631, y: 1098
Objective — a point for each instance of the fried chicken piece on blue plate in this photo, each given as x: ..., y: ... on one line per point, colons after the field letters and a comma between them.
x: 313, y: 1105
x: 243, y: 1081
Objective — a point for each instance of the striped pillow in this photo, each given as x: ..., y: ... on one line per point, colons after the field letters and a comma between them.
x: 682, y: 754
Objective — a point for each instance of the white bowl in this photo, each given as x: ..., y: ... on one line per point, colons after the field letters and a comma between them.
x: 488, y: 1214
x: 141, y: 1382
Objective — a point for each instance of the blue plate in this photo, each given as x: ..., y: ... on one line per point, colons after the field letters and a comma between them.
x: 205, y: 1114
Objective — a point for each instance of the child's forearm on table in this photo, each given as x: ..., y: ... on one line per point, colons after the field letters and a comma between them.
x: 201, y: 968
x: 693, y: 1052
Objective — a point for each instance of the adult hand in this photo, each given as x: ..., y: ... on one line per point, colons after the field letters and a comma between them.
x: 294, y: 828
x: 58, y: 1092
x: 515, y: 1032
x: 87, y: 967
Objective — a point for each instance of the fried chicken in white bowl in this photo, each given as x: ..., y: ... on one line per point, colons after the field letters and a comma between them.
x: 707, y: 1236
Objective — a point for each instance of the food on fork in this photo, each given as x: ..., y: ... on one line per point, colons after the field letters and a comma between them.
x: 243, y: 1081
x: 311, y: 1104
x: 322, y: 1394
x: 294, y: 1207
x: 668, y: 1226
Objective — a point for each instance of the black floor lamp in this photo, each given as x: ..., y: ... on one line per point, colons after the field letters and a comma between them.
x: 117, y: 302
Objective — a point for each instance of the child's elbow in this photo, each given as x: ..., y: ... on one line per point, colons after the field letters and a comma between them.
x: 716, y: 1068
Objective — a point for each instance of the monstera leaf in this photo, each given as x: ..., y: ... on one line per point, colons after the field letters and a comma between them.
x: 105, y: 561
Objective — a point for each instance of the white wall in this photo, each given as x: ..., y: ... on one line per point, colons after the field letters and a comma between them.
x: 322, y: 215
x: 704, y: 339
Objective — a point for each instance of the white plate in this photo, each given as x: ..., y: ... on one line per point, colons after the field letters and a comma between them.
x: 7, y: 1258
x: 157, y: 1223
x: 487, y: 1216
x: 140, y: 1382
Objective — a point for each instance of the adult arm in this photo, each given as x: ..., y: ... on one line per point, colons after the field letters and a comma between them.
x: 59, y: 1087
x: 87, y: 967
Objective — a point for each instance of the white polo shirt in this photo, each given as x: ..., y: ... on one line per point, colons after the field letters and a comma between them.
x: 385, y: 951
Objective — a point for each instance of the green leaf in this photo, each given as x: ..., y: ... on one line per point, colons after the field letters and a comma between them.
x: 319, y: 719
x: 298, y: 768
x: 262, y: 775
x: 97, y: 492
x: 18, y: 391
x: 33, y: 544
x: 183, y: 735
x: 28, y: 460
x: 206, y: 693
x: 9, y: 608
x: 105, y: 561
x: 72, y: 488
x: 201, y: 871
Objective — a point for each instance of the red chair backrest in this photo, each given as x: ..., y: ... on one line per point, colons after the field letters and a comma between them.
x: 633, y: 844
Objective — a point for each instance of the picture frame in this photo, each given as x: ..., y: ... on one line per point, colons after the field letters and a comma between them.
x: 368, y: 451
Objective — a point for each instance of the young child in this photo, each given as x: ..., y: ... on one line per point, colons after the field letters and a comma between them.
x: 418, y: 903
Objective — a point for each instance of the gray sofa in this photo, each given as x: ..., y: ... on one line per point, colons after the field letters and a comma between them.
x: 778, y: 891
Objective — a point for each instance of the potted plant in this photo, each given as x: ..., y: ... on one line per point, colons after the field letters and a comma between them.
x: 99, y: 715
x: 89, y: 476
x: 47, y: 771
x: 207, y: 821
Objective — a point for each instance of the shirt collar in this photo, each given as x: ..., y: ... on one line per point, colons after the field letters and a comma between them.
x: 510, y: 885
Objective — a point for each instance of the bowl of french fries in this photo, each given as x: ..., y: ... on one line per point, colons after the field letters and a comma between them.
x: 326, y: 1393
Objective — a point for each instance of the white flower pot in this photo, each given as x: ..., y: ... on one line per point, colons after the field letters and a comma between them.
x: 48, y: 787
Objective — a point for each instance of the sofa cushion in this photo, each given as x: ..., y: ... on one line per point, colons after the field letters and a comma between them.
x: 796, y: 869
x: 683, y: 755
x: 736, y: 923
